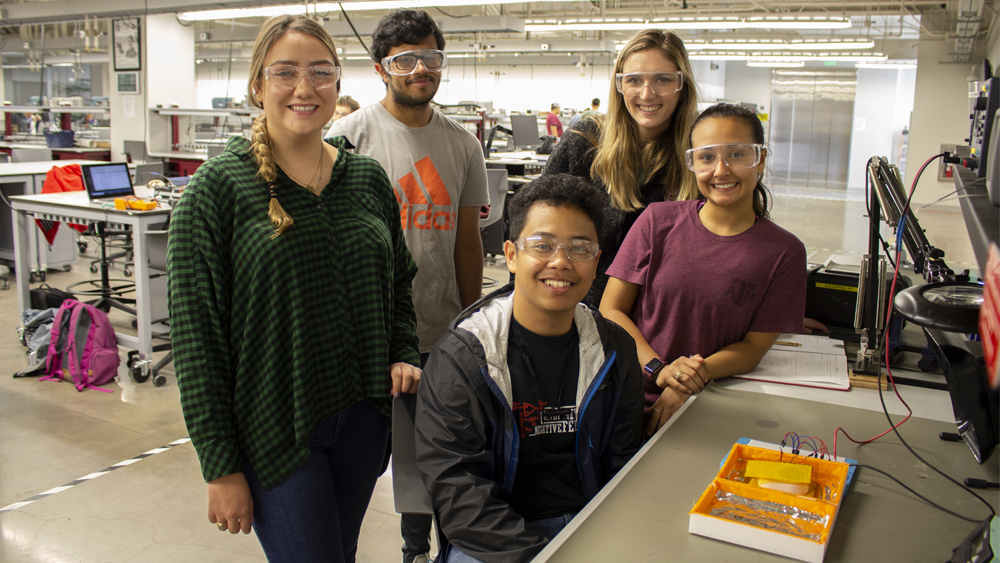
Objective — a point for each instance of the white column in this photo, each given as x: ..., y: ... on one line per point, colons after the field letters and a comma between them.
x: 167, y: 77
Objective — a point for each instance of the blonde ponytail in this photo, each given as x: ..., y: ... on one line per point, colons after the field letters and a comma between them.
x: 260, y: 145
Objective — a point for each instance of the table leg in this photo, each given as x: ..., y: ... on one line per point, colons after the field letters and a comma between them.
x: 21, y: 224
x: 143, y: 306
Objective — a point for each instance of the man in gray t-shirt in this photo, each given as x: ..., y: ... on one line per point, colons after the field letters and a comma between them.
x: 437, y: 170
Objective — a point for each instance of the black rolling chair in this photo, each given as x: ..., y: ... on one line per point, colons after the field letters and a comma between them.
x: 107, y: 292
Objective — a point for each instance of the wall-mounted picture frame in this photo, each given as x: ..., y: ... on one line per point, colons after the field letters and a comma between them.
x: 127, y: 51
x: 127, y: 82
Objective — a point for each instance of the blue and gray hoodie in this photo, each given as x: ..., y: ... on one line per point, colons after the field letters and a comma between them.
x: 467, y: 442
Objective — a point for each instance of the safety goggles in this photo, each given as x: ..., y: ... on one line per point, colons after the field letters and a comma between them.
x: 405, y: 63
x: 545, y: 247
x: 734, y: 155
x: 661, y: 83
x: 288, y: 76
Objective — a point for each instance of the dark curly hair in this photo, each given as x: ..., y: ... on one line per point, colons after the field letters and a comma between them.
x: 403, y: 27
x: 761, y: 201
x: 558, y: 190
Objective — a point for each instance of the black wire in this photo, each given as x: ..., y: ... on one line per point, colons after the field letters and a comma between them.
x: 915, y: 493
x: 354, y: 29
x: 881, y: 396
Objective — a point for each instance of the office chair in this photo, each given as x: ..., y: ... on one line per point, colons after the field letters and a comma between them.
x: 135, y: 151
x: 108, y: 292
x: 145, y: 172
x: 493, y: 227
x: 156, y: 245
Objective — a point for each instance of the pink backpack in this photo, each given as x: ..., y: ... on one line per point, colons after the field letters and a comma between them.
x: 83, y: 348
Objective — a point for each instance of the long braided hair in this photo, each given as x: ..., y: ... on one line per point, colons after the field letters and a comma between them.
x: 260, y: 142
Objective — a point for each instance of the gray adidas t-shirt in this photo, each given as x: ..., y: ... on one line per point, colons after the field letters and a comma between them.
x: 434, y: 170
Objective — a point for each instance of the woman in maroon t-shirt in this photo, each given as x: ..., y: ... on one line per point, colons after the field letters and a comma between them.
x: 705, y: 287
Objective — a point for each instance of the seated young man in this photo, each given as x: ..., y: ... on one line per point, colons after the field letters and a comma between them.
x: 532, y: 401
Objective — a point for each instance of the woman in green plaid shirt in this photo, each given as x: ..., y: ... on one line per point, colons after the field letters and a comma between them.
x: 291, y: 311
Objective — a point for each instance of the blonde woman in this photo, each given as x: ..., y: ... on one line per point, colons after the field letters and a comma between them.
x: 291, y: 311
x: 636, y: 152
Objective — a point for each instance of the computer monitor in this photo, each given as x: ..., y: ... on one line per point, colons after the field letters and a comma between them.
x: 107, y: 180
x: 525, y: 128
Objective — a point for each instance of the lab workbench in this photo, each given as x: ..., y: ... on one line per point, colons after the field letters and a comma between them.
x: 75, y: 207
x: 642, y: 514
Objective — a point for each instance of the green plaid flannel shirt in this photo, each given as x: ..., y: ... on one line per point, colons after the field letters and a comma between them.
x: 272, y: 336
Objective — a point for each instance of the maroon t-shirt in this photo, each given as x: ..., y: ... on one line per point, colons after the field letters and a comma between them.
x: 551, y: 120
x: 701, y: 292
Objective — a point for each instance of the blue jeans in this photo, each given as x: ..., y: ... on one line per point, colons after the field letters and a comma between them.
x: 315, y: 514
x: 546, y: 527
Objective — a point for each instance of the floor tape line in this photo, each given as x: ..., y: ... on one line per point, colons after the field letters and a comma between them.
x: 92, y: 476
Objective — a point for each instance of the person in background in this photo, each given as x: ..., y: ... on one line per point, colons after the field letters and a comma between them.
x: 594, y: 109
x: 346, y: 105
x: 529, y: 356
x: 278, y: 347
x: 553, y: 127
x: 706, y: 286
x: 439, y: 174
x: 636, y: 152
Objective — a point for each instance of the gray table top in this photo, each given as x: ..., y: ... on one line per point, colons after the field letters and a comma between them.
x: 645, y: 516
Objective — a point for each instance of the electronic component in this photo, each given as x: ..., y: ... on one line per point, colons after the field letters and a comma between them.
x: 984, y: 108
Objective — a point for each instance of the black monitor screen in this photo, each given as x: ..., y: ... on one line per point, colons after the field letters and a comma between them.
x: 107, y: 180
x: 525, y: 129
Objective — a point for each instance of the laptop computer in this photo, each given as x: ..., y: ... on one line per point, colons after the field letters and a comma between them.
x: 107, y: 180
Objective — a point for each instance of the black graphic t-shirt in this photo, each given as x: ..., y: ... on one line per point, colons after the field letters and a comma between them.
x: 544, y: 372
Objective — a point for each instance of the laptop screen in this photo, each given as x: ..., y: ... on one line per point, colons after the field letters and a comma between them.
x: 107, y: 180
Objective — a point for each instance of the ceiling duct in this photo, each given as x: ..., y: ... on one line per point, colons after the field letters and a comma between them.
x: 967, y: 22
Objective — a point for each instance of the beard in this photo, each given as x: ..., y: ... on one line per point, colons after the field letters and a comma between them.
x: 402, y: 98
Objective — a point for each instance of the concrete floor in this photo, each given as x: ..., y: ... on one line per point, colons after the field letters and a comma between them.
x: 155, y: 509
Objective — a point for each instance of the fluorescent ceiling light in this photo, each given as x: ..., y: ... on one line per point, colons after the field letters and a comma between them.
x: 835, y: 73
x: 634, y: 24
x: 787, y: 57
x: 816, y: 82
x: 322, y: 7
x: 776, y: 64
x: 779, y: 45
x: 889, y: 65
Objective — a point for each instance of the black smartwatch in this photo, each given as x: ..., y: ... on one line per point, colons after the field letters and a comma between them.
x: 653, y: 367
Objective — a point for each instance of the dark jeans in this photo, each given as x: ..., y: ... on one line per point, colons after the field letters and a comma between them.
x: 415, y: 528
x: 316, y: 513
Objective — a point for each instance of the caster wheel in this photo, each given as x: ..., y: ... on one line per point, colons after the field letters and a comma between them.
x: 41, y: 275
x: 67, y: 268
x: 82, y: 246
x: 6, y: 285
x: 132, y: 359
x: 93, y: 268
x: 159, y: 381
x: 127, y: 272
x: 140, y: 374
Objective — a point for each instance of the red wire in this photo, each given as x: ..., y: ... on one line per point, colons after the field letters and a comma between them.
x: 885, y: 340
x: 888, y: 370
